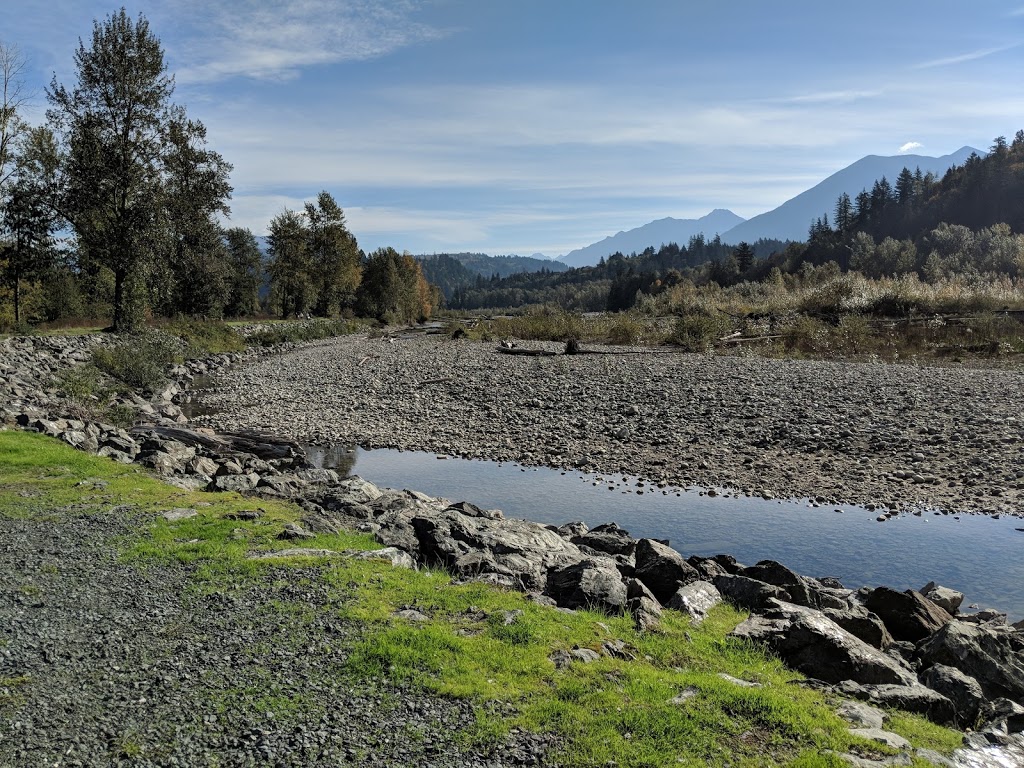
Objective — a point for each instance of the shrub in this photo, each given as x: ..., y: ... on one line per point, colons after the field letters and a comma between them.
x: 139, y: 359
x: 624, y: 329
x: 80, y: 383
x: 206, y: 337
x: 697, y: 332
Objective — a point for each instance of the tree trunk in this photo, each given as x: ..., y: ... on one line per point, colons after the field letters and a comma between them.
x: 17, y: 301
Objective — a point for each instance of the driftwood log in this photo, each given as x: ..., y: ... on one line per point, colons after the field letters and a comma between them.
x: 265, y: 446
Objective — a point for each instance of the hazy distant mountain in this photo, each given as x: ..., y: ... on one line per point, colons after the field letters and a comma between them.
x: 503, y: 266
x: 792, y: 219
x: 451, y: 271
x: 655, y: 234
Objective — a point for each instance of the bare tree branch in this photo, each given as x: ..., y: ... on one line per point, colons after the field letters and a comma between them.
x: 13, y: 96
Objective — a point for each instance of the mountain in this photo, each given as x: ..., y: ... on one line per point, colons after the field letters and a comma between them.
x: 792, y: 219
x: 655, y: 234
x: 451, y: 271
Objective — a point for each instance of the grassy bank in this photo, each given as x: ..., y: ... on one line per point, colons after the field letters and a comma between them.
x: 667, y: 705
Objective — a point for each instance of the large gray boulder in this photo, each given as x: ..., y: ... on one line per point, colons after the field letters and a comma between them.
x: 911, y: 697
x: 609, y: 538
x: 472, y: 546
x: 808, y: 641
x: 963, y: 690
x: 992, y: 654
x: 907, y: 615
x: 772, y: 572
x: 859, y: 621
x: 947, y: 599
x: 749, y: 594
x: 695, y: 600
x: 662, y: 569
x: 593, y: 584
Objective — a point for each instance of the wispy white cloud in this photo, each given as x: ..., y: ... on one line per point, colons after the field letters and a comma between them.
x: 829, y: 97
x: 911, y: 146
x: 249, y: 38
x: 964, y: 57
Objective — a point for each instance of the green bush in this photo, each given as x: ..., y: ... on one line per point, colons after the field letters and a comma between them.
x: 80, y: 383
x: 139, y: 360
x: 204, y: 337
x: 697, y: 332
x: 310, y: 330
x: 624, y: 329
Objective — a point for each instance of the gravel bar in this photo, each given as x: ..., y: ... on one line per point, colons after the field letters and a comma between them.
x: 893, y: 437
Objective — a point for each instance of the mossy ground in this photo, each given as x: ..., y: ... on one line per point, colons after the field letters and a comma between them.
x: 481, y: 643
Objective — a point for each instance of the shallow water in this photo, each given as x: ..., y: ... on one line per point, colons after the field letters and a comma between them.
x: 977, y: 555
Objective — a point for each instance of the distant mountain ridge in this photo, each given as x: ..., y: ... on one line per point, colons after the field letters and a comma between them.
x: 792, y: 219
x: 656, y: 233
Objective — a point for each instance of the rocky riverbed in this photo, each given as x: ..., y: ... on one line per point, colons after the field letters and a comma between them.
x: 892, y: 437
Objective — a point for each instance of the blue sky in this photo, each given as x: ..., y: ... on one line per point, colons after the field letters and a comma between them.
x: 522, y: 126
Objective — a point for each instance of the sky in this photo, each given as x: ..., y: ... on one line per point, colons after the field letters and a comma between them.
x: 541, y: 126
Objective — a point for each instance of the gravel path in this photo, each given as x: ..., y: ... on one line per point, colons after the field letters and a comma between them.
x: 106, y: 664
x: 894, y: 436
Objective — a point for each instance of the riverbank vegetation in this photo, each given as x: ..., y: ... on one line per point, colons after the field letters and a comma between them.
x: 114, y: 210
x: 660, y: 700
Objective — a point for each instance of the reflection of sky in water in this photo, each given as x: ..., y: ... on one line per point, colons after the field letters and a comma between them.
x: 980, y: 556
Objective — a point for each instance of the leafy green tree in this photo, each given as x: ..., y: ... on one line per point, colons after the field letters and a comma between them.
x: 291, y: 275
x: 137, y: 182
x: 245, y: 272
x: 393, y: 288
x: 27, y: 218
x: 333, y: 256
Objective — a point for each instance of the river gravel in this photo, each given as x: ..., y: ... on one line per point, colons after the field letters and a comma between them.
x: 892, y: 437
x: 103, y: 663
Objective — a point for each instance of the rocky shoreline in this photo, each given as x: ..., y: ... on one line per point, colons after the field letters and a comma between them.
x: 890, y: 437
x: 912, y: 650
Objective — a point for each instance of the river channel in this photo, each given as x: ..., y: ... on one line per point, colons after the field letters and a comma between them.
x: 981, y: 556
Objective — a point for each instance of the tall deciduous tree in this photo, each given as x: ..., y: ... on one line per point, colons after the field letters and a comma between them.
x: 13, y: 96
x: 135, y: 172
x: 27, y: 218
x: 333, y: 256
x: 291, y: 283
x: 245, y: 273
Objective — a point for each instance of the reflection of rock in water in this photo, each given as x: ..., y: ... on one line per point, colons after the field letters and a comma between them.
x: 340, y: 458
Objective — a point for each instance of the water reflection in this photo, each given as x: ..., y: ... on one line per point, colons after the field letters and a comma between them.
x: 980, y: 556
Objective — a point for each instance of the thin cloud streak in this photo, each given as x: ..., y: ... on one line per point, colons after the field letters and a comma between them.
x: 245, y: 38
x: 964, y: 57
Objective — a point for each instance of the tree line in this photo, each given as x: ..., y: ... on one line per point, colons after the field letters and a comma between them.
x: 113, y: 208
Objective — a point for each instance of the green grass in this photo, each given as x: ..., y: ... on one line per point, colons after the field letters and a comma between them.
x: 483, y: 644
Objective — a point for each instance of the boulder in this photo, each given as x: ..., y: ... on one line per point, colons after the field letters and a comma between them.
x: 593, y: 584
x: 910, y: 697
x: 641, y: 604
x: 662, y: 569
x: 771, y: 572
x: 748, y: 594
x: 907, y: 615
x: 609, y: 538
x: 707, y: 568
x: 236, y: 483
x: 808, y: 641
x: 947, y: 599
x: 521, y: 549
x: 992, y: 654
x: 859, y: 621
x: 963, y: 690
x: 695, y: 600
